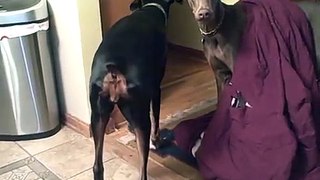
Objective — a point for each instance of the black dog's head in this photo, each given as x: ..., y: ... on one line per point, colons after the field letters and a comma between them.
x: 172, y: 1
x: 137, y: 4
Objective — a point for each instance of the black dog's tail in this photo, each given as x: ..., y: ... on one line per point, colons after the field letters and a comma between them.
x: 114, y: 84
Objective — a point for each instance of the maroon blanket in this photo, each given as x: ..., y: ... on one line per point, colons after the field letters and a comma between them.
x: 275, y: 73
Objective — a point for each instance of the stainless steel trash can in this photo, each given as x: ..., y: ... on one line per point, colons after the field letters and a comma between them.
x: 28, y: 100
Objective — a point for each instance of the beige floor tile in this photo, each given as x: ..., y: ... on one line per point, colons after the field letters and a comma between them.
x: 6, y: 176
x: 32, y: 176
x: 10, y: 152
x: 115, y: 169
x: 22, y: 173
x: 70, y: 158
x: 36, y: 146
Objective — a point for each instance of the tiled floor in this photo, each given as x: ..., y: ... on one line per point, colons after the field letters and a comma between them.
x: 68, y: 155
x: 64, y: 156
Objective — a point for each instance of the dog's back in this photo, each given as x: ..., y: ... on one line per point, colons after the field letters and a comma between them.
x: 136, y: 44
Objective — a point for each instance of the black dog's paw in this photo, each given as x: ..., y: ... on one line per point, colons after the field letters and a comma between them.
x: 159, y: 143
x: 165, y: 138
x: 154, y: 144
x: 130, y: 128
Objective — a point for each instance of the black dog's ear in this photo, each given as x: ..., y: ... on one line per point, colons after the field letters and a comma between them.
x: 172, y: 1
x: 136, y: 4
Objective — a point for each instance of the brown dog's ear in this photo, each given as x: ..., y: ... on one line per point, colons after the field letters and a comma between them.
x: 179, y: 1
x: 136, y: 4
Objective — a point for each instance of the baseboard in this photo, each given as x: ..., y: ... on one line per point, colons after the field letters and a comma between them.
x: 83, y: 128
x: 77, y: 125
x: 186, y: 50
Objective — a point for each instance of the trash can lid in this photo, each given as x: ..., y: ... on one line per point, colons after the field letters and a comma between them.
x: 22, y: 11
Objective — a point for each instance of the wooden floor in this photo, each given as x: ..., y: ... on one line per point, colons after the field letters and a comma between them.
x: 188, y: 81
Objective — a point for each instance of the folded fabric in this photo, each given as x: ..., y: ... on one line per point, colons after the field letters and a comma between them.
x: 274, y: 71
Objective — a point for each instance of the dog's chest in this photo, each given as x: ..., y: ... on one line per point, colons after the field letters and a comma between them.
x: 218, y: 49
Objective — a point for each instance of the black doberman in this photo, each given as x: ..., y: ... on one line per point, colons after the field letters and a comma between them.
x: 127, y: 70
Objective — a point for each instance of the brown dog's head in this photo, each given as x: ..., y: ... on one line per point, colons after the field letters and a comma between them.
x: 206, y: 12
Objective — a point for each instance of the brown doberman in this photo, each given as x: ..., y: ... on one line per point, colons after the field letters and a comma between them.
x: 221, y: 26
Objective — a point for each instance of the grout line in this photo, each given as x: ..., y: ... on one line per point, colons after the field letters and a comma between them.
x: 37, y: 172
x: 8, y: 167
x: 33, y: 156
x: 54, y: 147
x: 91, y: 168
x: 78, y: 173
x: 58, y: 145
x: 51, y: 148
x: 111, y: 159
x: 45, y: 167
x: 81, y: 136
x: 30, y: 155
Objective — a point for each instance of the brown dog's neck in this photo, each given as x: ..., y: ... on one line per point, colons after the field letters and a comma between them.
x: 231, y: 28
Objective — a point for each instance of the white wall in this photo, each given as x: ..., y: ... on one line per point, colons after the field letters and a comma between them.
x: 76, y: 34
x: 182, y: 28
x: 91, y: 35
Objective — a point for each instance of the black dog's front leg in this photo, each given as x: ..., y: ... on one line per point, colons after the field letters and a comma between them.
x: 101, y: 110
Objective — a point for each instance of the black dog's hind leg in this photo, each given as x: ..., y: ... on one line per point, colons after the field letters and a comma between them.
x: 156, y: 103
x: 142, y: 133
x: 138, y: 114
x: 101, y: 110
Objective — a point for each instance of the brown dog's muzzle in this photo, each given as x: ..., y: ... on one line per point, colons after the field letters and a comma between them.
x: 202, y: 9
x: 203, y: 15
